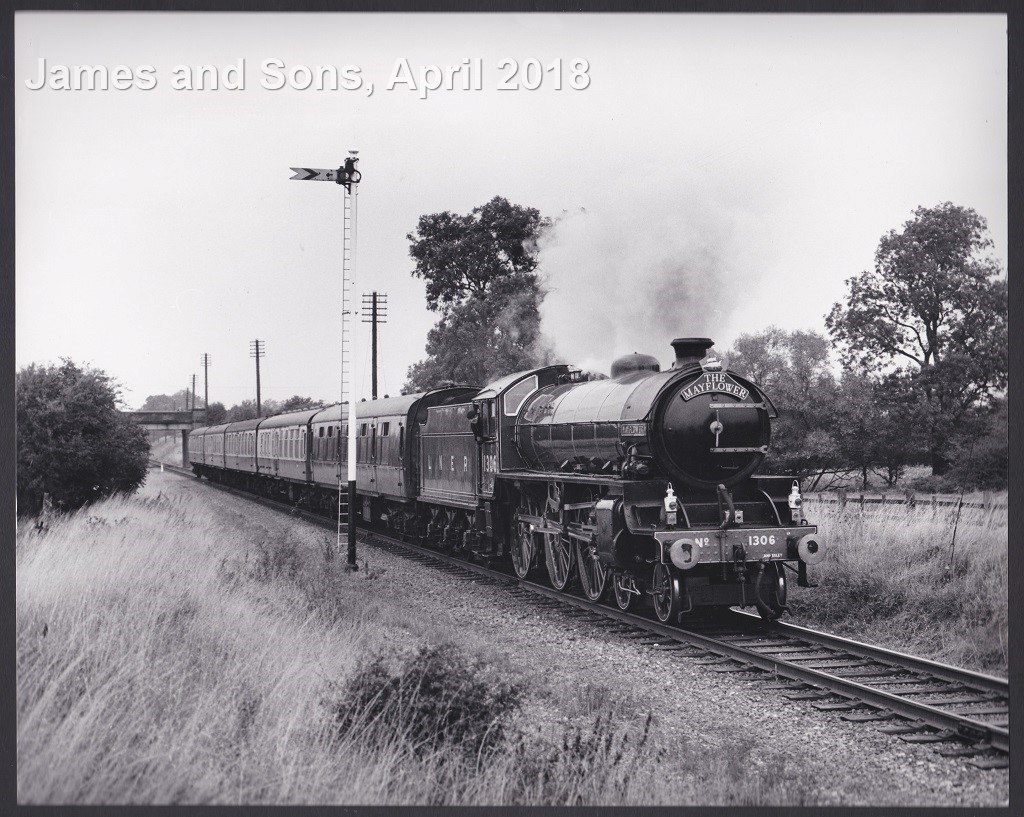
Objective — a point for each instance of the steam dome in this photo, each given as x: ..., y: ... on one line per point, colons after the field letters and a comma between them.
x: 635, y: 363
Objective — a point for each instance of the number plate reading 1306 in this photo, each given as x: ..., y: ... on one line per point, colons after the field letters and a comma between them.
x: 760, y: 540
x: 633, y: 429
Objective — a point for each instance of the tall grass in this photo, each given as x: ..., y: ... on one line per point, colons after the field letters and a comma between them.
x: 174, y: 649
x: 894, y: 575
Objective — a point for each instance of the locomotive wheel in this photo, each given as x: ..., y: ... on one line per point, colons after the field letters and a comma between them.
x: 558, y: 554
x: 627, y: 592
x: 770, y: 593
x: 523, y: 550
x: 666, y: 592
x: 593, y: 574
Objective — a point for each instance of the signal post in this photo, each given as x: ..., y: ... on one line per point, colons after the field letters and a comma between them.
x: 349, y: 177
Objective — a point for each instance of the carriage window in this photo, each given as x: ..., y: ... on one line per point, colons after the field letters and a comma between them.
x: 330, y: 431
x: 321, y: 432
x: 516, y: 396
x: 362, y: 430
x: 385, y: 429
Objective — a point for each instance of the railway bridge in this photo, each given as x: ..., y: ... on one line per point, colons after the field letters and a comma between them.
x: 156, y: 421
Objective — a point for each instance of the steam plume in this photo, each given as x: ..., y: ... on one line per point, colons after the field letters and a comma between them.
x: 629, y: 279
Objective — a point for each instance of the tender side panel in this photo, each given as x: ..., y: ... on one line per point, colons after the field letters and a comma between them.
x: 448, y: 457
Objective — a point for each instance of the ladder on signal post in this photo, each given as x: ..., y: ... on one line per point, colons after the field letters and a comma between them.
x: 346, y: 513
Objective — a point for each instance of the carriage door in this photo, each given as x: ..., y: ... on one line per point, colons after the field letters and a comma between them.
x: 488, y: 449
x: 374, y: 459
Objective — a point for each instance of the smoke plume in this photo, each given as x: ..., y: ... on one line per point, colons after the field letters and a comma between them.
x: 630, y: 278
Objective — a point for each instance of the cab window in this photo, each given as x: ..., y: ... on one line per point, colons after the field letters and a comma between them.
x: 516, y: 396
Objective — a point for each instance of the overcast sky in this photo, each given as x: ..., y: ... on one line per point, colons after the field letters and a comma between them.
x: 718, y: 174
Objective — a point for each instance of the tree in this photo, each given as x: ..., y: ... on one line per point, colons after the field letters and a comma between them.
x: 216, y: 414
x: 480, y: 273
x: 299, y: 403
x: 73, y: 442
x: 793, y: 369
x: 246, y: 410
x: 167, y: 402
x: 934, y: 307
x: 876, y: 425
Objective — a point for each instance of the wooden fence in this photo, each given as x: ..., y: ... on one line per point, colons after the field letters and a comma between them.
x: 906, y: 498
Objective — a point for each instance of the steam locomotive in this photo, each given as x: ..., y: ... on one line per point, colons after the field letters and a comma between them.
x: 644, y: 484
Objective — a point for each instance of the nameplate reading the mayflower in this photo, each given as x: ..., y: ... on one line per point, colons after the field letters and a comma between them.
x: 718, y: 382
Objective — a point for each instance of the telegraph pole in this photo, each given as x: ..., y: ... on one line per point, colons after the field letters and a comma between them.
x: 257, y: 349
x: 349, y: 178
x: 193, y: 419
x: 205, y: 360
x: 375, y: 310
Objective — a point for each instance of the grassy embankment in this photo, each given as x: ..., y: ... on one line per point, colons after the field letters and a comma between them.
x: 168, y: 652
x: 888, y: 578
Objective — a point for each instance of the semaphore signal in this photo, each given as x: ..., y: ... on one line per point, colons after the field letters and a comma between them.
x: 349, y: 177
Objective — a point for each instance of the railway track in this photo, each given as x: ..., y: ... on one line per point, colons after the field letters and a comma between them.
x: 964, y: 713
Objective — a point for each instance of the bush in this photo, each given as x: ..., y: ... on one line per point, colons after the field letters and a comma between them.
x: 73, y: 443
x: 982, y: 460
x: 931, y: 484
x: 437, y: 696
x: 572, y: 768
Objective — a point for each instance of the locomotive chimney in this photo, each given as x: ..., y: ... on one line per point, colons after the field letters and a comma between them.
x: 690, y: 351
